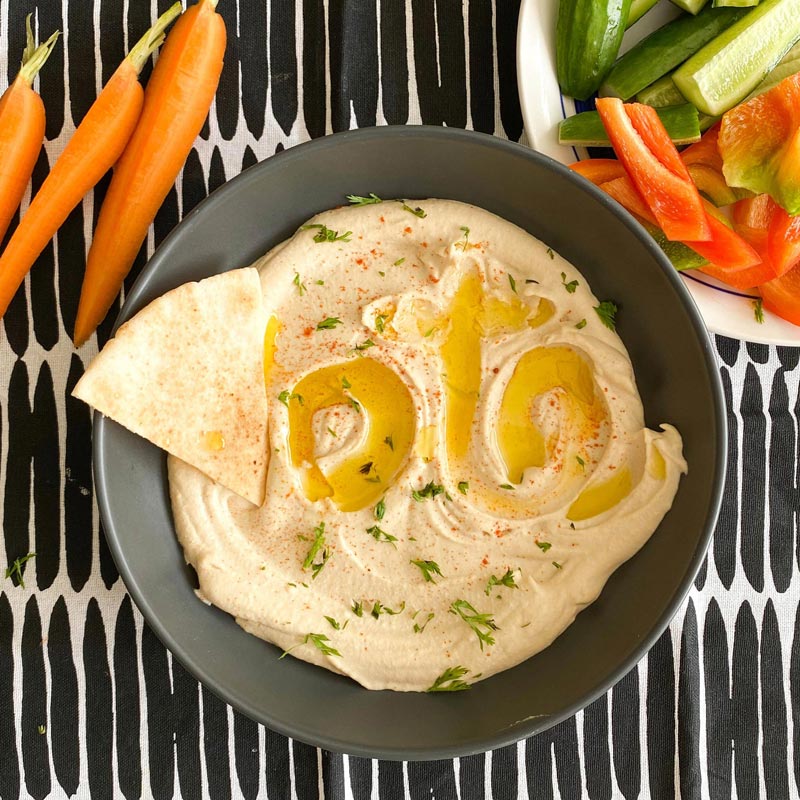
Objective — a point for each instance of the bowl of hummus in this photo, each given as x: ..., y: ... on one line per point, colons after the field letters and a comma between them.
x: 408, y: 444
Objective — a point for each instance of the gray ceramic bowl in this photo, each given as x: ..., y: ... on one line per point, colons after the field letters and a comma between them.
x: 677, y: 378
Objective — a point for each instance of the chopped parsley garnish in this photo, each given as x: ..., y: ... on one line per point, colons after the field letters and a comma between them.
x: 507, y: 580
x: 335, y: 625
x: 319, y: 640
x: 531, y: 280
x: 328, y: 323
x: 572, y: 525
x: 428, y: 569
x: 285, y: 396
x: 450, y: 681
x: 345, y: 383
x: 325, y: 234
x: 365, y: 345
x: 580, y: 461
x: 301, y: 287
x: 550, y: 252
x: 429, y: 333
x: 378, y: 608
x: 512, y: 283
x: 571, y: 286
x: 389, y: 442
x: 320, y: 283
x: 398, y: 262
x: 758, y: 310
x: 417, y: 212
x: 356, y: 200
x: 428, y: 492
x: 356, y: 405
x: 364, y: 469
x: 358, y: 608
x: 420, y: 628
x: 507, y: 486
x: 482, y: 624
x: 557, y: 565
x: 607, y: 311
x: 581, y: 324
x: 17, y: 569
x: 42, y: 730
x: 380, y: 323
x: 544, y: 546
x: 463, y: 487
x: 332, y: 433
x: 464, y: 245
x: 317, y: 548
x: 380, y: 509
x: 380, y: 535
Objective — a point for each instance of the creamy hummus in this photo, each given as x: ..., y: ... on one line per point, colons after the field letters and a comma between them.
x: 458, y: 452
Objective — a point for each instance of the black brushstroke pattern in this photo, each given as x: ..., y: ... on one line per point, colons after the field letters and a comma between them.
x: 744, y: 703
x: 46, y: 479
x: 9, y: 758
x: 306, y: 773
x: 353, y: 42
x: 562, y: 740
x: 689, y: 709
x: 361, y: 778
x: 126, y: 705
x: 754, y: 432
x: 99, y: 707
x: 215, y: 746
x: 702, y: 574
x: 282, y: 69
x: 625, y: 734
x: 245, y: 733
x: 728, y: 349
x: 774, y: 722
x: 757, y: 352
x: 390, y: 779
x: 481, y: 56
x: 394, y: 61
x: 104, y: 328
x: 276, y: 753
x: 108, y: 569
x: 471, y: 777
x: 16, y: 497
x: 505, y: 774
x: 77, y: 483
x: 718, y: 727
x: 661, y: 719
x: 112, y: 37
x: 794, y: 695
x: 216, y: 171
x: 428, y: 779
x: 194, y: 183
x: 80, y: 39
x: 186, y: 720
x: 71, y: 267
x: 15, y: 320
x: 249, y: 158
x: 724, y: 542
x: 507, y: 14
x: 596, y: 749
x: 228, y: 91
x: 315, y: 84
x: 64, y: 723
x: 440, y: 67
x: 332, y: 775
x: 158, y: 692
x: 51, y: 78
x: 35, y: 756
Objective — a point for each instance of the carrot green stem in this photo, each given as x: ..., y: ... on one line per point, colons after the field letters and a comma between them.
x: 33, y: 57
x: 152, y: 40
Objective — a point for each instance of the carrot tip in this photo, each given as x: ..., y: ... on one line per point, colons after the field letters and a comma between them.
x: 154, y: 37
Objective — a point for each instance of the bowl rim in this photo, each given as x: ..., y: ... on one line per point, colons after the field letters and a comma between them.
x: 525, y: 728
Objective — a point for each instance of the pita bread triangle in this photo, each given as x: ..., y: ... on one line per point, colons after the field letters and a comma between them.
x: 186, y: 373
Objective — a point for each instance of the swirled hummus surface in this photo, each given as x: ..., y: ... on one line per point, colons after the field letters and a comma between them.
x: 458, y: 452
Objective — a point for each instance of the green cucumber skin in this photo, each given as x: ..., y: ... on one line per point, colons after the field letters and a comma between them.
x: 680, y: 255
x: 638, y: 9
x: 588, y: 36
x: 692, y: 6
x: 587, y: 130
x: 735, y: 3
x: 662, y: 92
x: 665, y: 49
x: 727, y: 69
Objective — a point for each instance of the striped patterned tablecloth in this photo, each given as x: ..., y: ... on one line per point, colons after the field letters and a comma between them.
x: 91, y: 705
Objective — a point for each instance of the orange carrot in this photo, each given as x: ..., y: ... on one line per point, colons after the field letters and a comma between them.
x: 21, y: 128
x: 176, y: 103
x: 93, y: 149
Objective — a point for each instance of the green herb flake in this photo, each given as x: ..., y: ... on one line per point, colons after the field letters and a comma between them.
x: 506, y: 580
x: 369, y: 200
x: 380, y: 535
x: 758, y: 310
x: 450, y: 681
x: 365, y: 469
x: 580, y: 325
x: 557, y: 565
x: 551, y: 253
x: 42, y: 730
x: 345, y: 383
x: 17, y: 569
x: 430, y: 332
x: 543, y: 546
x: 301, y: 287
x: 417, y: 212
x: 325, y: 234
x: 378, y: 608
x: 428, y: 569
x: 328, y: 323
x: 607, y: 311
x: 317, y: 548
x: 571, y: 286
x: 358, y: 608
x: 482, y: 624
x: 332, y: 433
x: 399, y: 262
x: 320, y: 641
x: 420, y: 628
x: 428, y: 492
x: 580, y: 461
x: 381, y: 273
x: 380, y: 323
x: 512, y: 283
x: 285, y: 396
x: 389, y: 442
x: 365, y: 345
x: 463, y: 487
x: 356, y: 405
x: 507, y: 486
x: 335, y: 625
x: 380, y: 509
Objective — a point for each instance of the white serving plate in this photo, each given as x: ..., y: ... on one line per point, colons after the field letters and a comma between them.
x: 725, y: 310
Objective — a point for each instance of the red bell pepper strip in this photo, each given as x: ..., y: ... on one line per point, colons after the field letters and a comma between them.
x: 782, y: 295
x: 705, y: 151
x: 599, y: 170
x: 783, y: 241
x: 655, y: 168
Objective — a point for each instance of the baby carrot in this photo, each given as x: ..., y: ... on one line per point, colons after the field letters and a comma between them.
x: 93, y: 149
x: 176, y: 103
x: 21, y: 128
